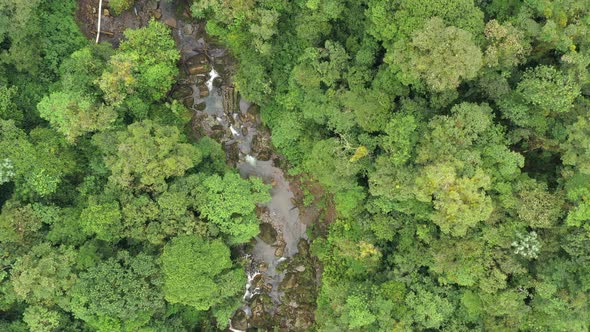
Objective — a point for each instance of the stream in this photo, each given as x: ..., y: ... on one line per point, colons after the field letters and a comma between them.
x: 274, y: 270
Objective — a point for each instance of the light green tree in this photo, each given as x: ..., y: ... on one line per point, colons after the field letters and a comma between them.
x: 199, y: 273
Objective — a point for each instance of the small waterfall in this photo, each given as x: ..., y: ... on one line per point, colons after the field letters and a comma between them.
x: 251, y: 160
x: 249, y: 291
x: 212, y: 75
x: 233, y: 131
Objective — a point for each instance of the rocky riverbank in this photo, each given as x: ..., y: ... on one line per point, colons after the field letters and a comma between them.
x: 282, y: 274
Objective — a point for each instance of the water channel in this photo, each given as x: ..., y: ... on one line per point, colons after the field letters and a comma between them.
x: 219, y: 112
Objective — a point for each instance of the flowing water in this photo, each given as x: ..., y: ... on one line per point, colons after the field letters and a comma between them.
x: 220, y: 113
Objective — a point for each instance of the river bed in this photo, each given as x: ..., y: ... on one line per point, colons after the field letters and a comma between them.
x: 282, y: 275
x: 219, y: 112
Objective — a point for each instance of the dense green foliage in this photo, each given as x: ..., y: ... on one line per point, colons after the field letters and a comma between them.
x: 111, y: 219
x: 452, y: 137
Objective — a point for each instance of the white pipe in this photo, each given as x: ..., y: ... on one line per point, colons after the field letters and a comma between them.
x: 99, y: 16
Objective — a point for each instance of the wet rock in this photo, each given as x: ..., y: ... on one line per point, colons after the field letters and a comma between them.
x: 300, y: 268
x: 232, y: 152
x: 289, y: 282
x: 188, y: 102
x: 303, y: 247
x: 303, y: 321
x: 198, y: 59
x: 261, y: 147
x: 207, y: 125
x: 171, y: 22
x: 152, y: 4
x: 188, y: 29
x: 267, y: 233
x: 257, y: 281
x: 200, y: 106
x: 200, y: 79
x: 240, y: 320
x: 217, y: 82
x: 263, y: 267
x: 279, y: 251
x: 157, y: 14
x: 260, y: 316
x: 247, y: 117
x: 217, y: 52
x: 203, y: 91
x: 267, y: 288
x: 197, y: 68
x: 245, y: 131
x: 182, y: 91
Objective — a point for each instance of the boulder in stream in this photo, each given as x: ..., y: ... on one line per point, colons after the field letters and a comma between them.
x: 260, y: 316
x: 232, y: 152
x: 240, y: 320
x: 157, y: 14
x: 203, y: 91
x: 198, y: 64
x: 267, y: 233
x: 280, y: 251
x: 171, y: 22
x: 261, y: 146
x: 199, y: 68
x: 188, y: 29
x: 290, y: 281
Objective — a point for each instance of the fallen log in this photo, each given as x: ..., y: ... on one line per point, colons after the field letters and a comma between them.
x: 108, y: 33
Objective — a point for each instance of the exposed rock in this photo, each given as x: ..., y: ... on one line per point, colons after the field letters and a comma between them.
x: 303, y: 320
x: 289, y: 282
x: 153, y: 4
x: 279, y: 251
x: 267, y: 233
x: 300, y: 268
x: 188, y: 102
x: 240, y: 320
x: 157, y: 14
x: 171, y: 22
x: 217, y: 52
x: 267, y: 288
x: 261, y: 147
x: 200, y: 79
x: 184, y: 93
x: 197, y: 68
x: 232, y: 152
x: 230, y: 100
x: 260, y: 316
x: 200, y: 106
x: 203, y: 91
x: 217, y: 82
x: 257, y: 281
x: 247, y: 117
x: 208, y: 125
x: 105, y: 12
x: 198, y: 59
x: 303, y: 247
x: 188, y: 29
x: 263, y: 267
